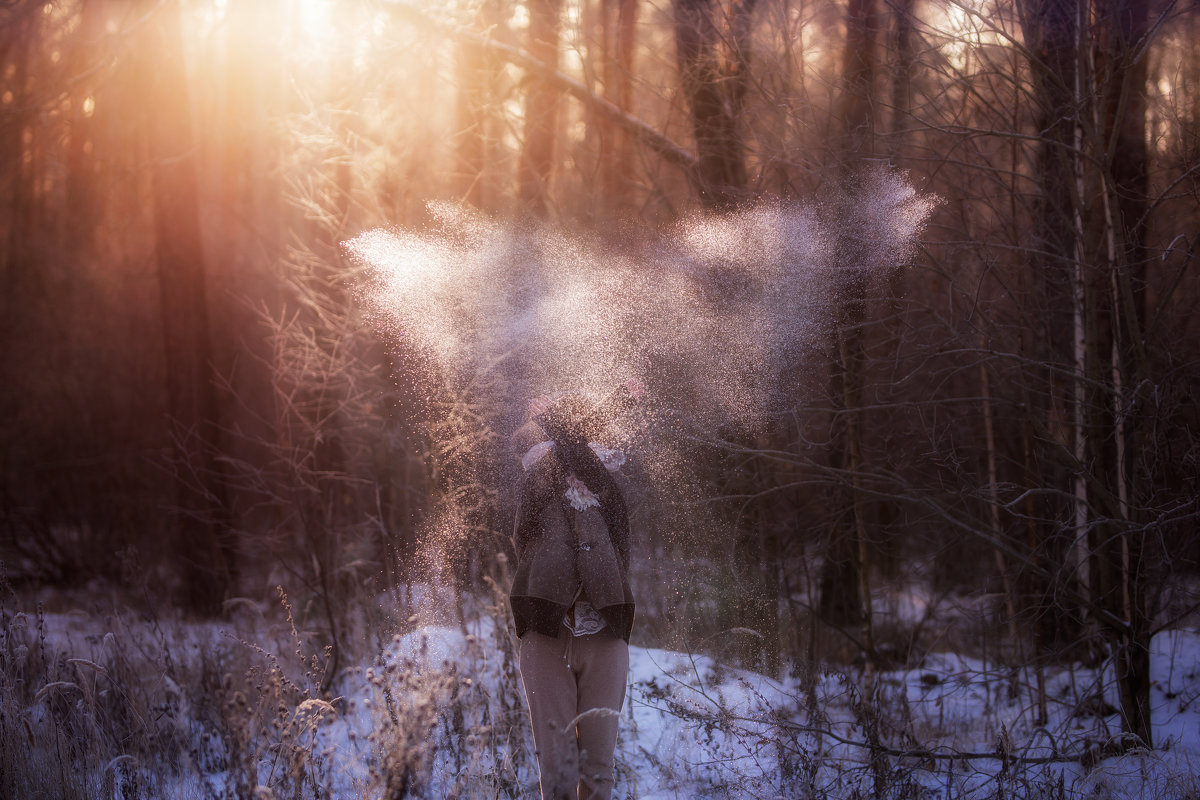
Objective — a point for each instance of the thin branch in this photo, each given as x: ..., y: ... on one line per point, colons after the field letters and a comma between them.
x: 641, y: 130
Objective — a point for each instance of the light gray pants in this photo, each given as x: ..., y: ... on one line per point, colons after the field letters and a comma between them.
x: 575, y: 755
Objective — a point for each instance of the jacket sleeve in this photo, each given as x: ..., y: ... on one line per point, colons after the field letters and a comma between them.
x: 535, y: 490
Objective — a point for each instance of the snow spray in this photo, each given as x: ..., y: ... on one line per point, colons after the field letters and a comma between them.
x: 712, y: 317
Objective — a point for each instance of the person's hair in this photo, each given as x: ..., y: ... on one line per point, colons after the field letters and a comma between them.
x: 571, y: 421
x: 571, y: 415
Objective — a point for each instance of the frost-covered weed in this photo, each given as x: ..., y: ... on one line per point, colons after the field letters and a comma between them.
x: 450, y: 724
x: 128, y: 706
x: 143, y: 710
x: 83, y: 723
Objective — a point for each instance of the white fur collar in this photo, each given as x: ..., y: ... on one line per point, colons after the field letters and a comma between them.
x: 613, y: 460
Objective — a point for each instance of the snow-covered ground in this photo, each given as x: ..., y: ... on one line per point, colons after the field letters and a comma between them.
x: 439, y: 714
x: 694, y: 728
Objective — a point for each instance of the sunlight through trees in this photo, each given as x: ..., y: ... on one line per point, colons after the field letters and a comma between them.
x: 994, y: 397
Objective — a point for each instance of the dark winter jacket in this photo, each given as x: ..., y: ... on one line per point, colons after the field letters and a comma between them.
x: 565, y: 554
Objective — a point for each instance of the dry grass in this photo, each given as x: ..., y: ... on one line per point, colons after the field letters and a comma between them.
x: 134, y: 706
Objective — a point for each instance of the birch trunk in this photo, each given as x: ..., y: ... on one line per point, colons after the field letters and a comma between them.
x: 1079, y: 340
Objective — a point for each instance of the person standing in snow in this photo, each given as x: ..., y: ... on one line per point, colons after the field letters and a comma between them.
x: 570, y: 596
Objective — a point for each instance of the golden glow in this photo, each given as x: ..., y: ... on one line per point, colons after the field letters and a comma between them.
x: 519, y: 20
x: 316, y: 24
x: 89, y: 106
x: 962, y: 27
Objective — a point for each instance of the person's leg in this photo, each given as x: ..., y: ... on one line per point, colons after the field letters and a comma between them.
x: 603, y: 670
x: 551, y: 693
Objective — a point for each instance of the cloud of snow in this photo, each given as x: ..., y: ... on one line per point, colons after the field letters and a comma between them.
x: 715, y: 316
x: 710, y: 317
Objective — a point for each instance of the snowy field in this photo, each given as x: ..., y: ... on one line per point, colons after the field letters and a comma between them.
x: 122, y: 707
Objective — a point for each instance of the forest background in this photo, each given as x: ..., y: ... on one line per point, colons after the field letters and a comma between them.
x: 196, y: 407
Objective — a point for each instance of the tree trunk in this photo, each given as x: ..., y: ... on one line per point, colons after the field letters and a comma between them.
x: 1102, y: 222
x: 1050, y: 28
x: 850, y: 549
x: 204, y: 543
x: 619, y: 39
x: 81, y: 173
x: 1123, y: 70
x: 855, y: 106
x: 536, y: 168
x: 476, y: 69
x: 1120, y: 117
x: 714, y: 71
x: 993, y: 502
x: 21, y: 277
x: 902, y: 78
